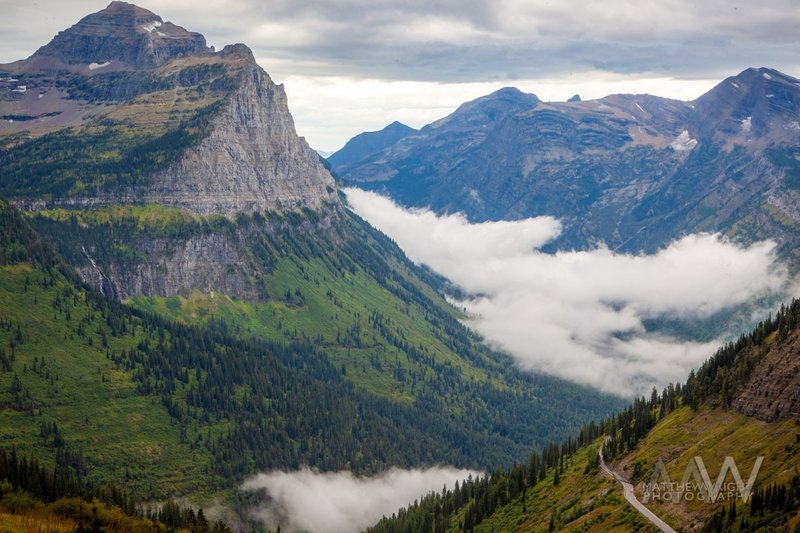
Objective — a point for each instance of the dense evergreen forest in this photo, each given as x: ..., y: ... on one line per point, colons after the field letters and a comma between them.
x: 374, y: 317
x: 775, y: 503
x: 29, y: 488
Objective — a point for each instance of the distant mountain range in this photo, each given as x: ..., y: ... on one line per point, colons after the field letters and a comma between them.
x: 633, y: 171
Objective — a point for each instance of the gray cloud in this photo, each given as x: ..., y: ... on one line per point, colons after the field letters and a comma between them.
x: 580, y: 315
x: 518, y: 39
x: 458, y: 41
x: 339, y: 502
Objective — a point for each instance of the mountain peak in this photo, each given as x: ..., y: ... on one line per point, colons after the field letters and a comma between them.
x: 122, y: 32
x: 769, y: 74
x: 489, y: 108
x: 117, y: 8
x: 758, y: 80
x: 238, y: 50
x: 510, y: 94
x: 756, y: 95
x: 242, y: 154
x: 369, y: 143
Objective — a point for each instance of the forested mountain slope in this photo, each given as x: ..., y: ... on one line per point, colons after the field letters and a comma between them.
x: 126, y: 396
x: 722, y: 411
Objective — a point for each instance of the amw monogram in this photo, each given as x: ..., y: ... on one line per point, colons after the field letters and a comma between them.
x: 696, y: 483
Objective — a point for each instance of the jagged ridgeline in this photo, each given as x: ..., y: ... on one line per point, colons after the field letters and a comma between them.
x: 263, y: 325
x: 633, y: 171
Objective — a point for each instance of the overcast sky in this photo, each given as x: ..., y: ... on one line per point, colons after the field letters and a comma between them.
x: 356, y: 65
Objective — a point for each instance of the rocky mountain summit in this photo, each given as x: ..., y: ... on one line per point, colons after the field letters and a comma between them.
x: 633, y: 171
x: 124, y: 33
x: 758, y: 104
x: 213, y: 130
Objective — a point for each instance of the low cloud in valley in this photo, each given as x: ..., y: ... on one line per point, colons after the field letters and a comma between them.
x: 581, y: 315
x: 339, y: 502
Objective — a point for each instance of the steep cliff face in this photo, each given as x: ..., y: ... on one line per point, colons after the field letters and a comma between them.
x: 773, y: 393
x: 155, y: 117
x: 253, y: 160
x: 175, y: 267
x: 226, y: 257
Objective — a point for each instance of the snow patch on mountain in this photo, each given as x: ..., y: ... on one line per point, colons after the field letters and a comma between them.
x: 683, y: 143
x: 151, y: 26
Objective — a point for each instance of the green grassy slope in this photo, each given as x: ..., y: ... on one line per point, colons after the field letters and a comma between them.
x: 583, y: 499
x: 64, y: 376
x: 140, y: 122
x: 37, y: 498
x: 577, y: 498
x: 388, y: 331
x: 56, y: 340
x: 713, y: 434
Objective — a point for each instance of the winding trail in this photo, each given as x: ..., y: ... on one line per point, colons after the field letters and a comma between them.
x: 627, y: 489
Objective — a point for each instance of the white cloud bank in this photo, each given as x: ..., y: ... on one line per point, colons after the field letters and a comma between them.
x: 341, y: 502
x: 579, y: 314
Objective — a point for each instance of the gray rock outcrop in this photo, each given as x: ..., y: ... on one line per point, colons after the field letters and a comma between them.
x: 253, y: 160
x: 774, y: 391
